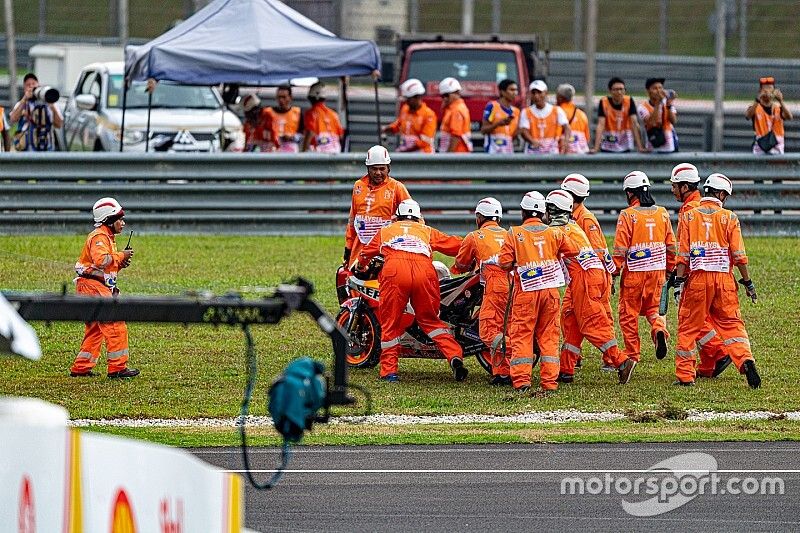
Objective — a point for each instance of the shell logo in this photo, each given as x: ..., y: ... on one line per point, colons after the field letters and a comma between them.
x: 122, y: 518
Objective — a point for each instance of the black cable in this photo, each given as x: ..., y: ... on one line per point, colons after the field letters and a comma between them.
x: 252, y: 370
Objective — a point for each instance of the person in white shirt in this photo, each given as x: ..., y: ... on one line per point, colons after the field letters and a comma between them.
x: 544, y: 126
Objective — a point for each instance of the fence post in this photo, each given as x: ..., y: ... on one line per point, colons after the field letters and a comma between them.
x: 719, y: 88
x: 662, y: 26
x: 742, y: 28
x: 577, y: 25
x: 466, y: 16
x: 496, y: 16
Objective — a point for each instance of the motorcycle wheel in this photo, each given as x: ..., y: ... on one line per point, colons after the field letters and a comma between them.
x: 364, y: 348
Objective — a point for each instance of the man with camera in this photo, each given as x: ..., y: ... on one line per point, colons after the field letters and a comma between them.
x: 658, y: 115
x: 36, y: 116
x: 768, y: 113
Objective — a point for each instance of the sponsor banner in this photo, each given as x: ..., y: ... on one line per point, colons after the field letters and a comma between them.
x: 33, y: 463
x: 130, y: 486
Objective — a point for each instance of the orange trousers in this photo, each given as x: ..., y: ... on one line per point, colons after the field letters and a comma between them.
x: 408, y: 276
x: 115, y: 335
x: 711, y: 349
x: 640, y: 294
x: 491, y: 315
x: 712, y: 297
x: 586, y: 313
x: 534, y: 315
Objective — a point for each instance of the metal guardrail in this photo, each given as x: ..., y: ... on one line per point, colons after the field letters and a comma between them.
x: 310, y: 193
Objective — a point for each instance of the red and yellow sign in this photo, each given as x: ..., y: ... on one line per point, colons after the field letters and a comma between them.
x: 122, y: 518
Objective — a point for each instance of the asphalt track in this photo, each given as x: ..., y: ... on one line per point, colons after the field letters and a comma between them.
x: 509, y: 488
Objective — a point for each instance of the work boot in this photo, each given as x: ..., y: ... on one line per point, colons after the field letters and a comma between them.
x: 625, y: 371
x: 579, y: 362
x: 661, y: 345
x: 390, y: 378
x: 124, y: 373
x: 683, y: 383
x: 608, y: 368
x: 500, y: 381
x: 749, y: 370
x: 88, y: 374
x: 721, y: 365
x: 565, y: 378
x: 459, y: 371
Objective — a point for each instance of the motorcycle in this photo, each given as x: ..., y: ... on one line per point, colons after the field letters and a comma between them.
x: 359, y: 298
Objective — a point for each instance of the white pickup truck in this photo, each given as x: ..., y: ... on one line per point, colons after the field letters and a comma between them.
x: 182, y: 118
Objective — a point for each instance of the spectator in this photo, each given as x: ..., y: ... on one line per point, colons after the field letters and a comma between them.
x: 617, y: 126
x: 544, y: 126
x: 455, y: 128
x: 323, y: 129
x: 767, y: 114
x: 500, y: 120
x: 257, y: 126
x: 286, y: 121
x: 416, y: 122
x: 6, y: 146
x: 658, y: 115
x: 35, y: 120
x: 578, y: 121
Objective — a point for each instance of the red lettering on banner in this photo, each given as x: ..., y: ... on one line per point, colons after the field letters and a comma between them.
x: 170, y: 515
x: 27, y: 515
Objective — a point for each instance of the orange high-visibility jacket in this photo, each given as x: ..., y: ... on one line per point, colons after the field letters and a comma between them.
x: 323, y: 123
x: 286, y: 124
x: 258, y: 135
x: 591, y: 227
x: 416, y: 128
x: 644, y: 239
x: 580, y: 255
x: 99, y: 258
x: 480, y: 248
x: 618, y: 133
x: 533, y: 249
x: 579, y: 126
x: 406, y: 236
x: 501, y: 139
x: 711, y: 238
x: 455, y: 123
x: 371, y: 209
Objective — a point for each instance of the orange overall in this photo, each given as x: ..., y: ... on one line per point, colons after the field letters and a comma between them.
x: 323, y: 124
x: 97, y: 269
x: 586, y: 311
x: 711, y: 244
x: 533, y: 250
x: 481, y: 248
x: 644, y: 251
x: 709, y: 344
x: 371, y: 208
x: 408, y: 274
x: 586, y: 220
x: 455, y: 123
x: 416, y: 128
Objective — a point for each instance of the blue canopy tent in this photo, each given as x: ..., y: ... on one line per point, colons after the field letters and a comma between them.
x: 248, y: 42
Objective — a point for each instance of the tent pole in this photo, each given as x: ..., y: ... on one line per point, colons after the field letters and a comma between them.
x: 222, y: 124
x: 377, y: 112
x: 147, y: 131
x: 346, y: 147
x: 124, y: 105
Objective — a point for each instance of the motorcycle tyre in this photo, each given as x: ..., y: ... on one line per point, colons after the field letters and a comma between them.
x: 373, y: 355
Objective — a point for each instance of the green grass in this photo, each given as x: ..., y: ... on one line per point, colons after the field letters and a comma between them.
x: 199, y: 371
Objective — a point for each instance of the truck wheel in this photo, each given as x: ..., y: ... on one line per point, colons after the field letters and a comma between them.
x: 364, y: 348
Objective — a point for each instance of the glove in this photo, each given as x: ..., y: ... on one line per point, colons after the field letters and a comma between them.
x: 750, y: 289
x: 677, y: 289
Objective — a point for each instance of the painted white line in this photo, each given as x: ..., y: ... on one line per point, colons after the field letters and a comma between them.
x: 506, y: 471
x: 534, y: 418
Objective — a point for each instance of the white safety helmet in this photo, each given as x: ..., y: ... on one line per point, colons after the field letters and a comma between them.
x: 411, y: 87
x: 635, y: 179
x: 720, y: 182
x: 442, y: 272
x: 533, y: 201
x: 408, y: 208
x: 684, y: 173
x: 377, y: 155
x: 560, y: 199
x: 489, y: 207
x: 577, y: 184
x: 250, y: 102
x: 449, y: 85
x: 317, y: 90
x: 105, y: 208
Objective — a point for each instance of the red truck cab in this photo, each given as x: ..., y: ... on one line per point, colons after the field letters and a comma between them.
x: 478, y: 64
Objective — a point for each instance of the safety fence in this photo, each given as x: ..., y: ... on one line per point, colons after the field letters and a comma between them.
x: 310, y: 193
